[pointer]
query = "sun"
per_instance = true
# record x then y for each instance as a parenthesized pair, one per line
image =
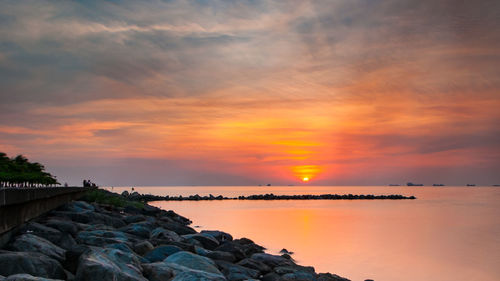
(305, 179)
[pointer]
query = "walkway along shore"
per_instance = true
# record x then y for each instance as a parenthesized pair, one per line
(135, 196)
(108, 237)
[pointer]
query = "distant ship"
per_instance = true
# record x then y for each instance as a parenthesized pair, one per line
(438, 184)
(414, 184)
(496, 185)
(471, 184)
(394, 184)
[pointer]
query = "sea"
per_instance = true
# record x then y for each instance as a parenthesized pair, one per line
(448, 233)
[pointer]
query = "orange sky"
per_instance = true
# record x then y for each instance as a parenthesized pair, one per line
(218, 93)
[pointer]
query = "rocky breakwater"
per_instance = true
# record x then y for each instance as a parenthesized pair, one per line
(137, 242)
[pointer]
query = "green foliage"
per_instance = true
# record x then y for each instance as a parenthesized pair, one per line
(19, 171)
(105, 197)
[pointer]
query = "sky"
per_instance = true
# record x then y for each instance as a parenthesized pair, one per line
(358, 92)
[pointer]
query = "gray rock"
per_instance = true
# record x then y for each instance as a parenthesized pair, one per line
(143, 247)
(33, 243)
(233, 248)
(134, 219)
(67, 241)
(161, 252)
(163, 235)
(49, 233)
(73, 256)
(27, 277)
(193, 261)
(330, 277)
(206, 240)
(299, 276)
(219, 235)
(138, 229)
(32, 263)
(101, 237)
(254, 264)
(271, 276)
(63, 225)
(77, 207)
(220, 255)
(234, 272)
(178, 228)
(108, 264)
(157, 271)
(271, 260)
(183, 273)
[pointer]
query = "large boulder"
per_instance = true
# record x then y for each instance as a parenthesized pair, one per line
(206, 240)
(160, 235)
(181, 273)
(27, 277)
(255, 264)
(143, 247)
(272, 260)
(32, 263)
(219, 235)
(108, 264)
(161, 252)
(178, 228)
(101, 237)
(134, 219)
(142, 230)
(49, 233)
(299, 276)
(157, 271)
(330, 277)
(193, 261)
(64, 226)
(234, 272)
(33, 243)
(77, 207)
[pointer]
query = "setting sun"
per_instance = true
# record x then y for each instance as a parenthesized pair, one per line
(305, 179)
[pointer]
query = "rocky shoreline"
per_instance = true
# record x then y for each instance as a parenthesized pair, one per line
(135, 196)
(124, 240)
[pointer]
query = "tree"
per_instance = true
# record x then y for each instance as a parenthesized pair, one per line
(18, 171)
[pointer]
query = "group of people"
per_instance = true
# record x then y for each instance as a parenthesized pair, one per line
(88, 183)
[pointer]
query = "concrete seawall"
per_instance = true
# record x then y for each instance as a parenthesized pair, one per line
(18, 205)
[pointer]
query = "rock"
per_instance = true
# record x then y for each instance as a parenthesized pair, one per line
(32, 263)
(126, 249)
(73, 256)
(220, 255)
(157, 271)
(90, 217)
(108, 264)
(271, 276)
(299, 276)
(271, 260)
(138, 229)
(206, 240)
(33, 243)
(143, 247)
(178, 228)
(234, 248)
(134, 219)
(219, 235)
(162, 252)
(63, 226)
(193, 261)
(285, 251)
(48, 233)
(183, 273)
(282, 270)
(234, 272)
(77, 207)
(27, 277)
(161, 235)
(255, 264)
(330, 277)
(101, 237)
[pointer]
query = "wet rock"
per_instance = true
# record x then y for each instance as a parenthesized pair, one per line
(219, 235)
(77, 207)
(193, 261)
(207, 241)
(285, 251)
(234, 248)
(255, 264)
(178, 228)
(183, 273)
(271, 260)
(234, 272)
(108, 264)
(330, 277)
(134, 219)
(32, 263)
(271, 277)
(143, 247)
(73, 256)
(67, 241)
(220, 255)
(281, 270)
(27, 277)
(162, 252)
(33, 243)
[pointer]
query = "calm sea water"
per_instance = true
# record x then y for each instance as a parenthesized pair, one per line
(448, 233)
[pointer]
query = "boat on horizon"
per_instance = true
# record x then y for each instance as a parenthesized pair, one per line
(414, 184)
(471, 184)
(437, 184)
(394, 184)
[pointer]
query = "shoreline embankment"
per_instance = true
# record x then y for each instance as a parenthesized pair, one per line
(106, 236)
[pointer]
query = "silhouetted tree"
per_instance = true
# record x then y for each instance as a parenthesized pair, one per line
(18, 171)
